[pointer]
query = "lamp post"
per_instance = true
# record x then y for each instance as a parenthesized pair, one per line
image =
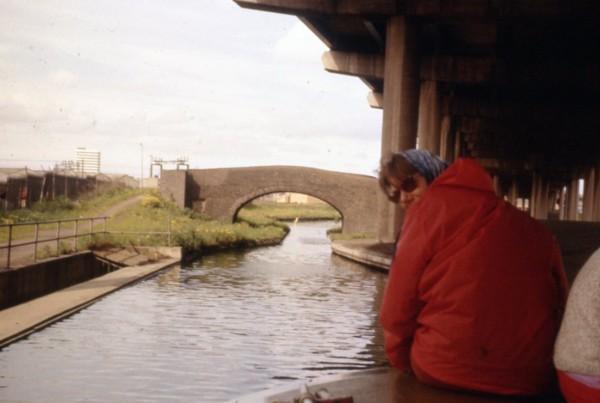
(142, 165)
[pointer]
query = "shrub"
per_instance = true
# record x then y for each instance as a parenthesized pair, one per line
(51, 206)
(151, 201)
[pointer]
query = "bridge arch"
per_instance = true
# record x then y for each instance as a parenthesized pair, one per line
(239, 204)
(220, 193)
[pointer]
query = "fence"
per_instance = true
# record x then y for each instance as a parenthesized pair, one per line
(58, 236)
(74, 233)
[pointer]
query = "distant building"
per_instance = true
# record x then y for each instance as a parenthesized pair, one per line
(87, 161)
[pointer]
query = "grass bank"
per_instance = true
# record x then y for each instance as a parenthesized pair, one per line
(147, 222)
(189, 229)
(61, 209)
(288, 212)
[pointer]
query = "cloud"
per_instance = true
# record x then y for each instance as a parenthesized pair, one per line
(300, 44)
(220, 84)
(63, 77)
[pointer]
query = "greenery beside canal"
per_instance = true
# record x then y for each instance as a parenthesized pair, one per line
(62, 209)
(149, 221)
(189, 229)
(335, 234)
(258, 212)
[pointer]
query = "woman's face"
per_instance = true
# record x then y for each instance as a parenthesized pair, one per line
(410, 189)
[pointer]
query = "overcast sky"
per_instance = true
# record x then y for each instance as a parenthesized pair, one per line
(207, 80)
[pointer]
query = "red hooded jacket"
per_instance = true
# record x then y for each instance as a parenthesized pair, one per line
(476, 290)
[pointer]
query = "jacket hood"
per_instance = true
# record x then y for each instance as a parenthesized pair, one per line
(466, 173)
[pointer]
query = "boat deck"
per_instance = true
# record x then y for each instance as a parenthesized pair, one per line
(385, 386)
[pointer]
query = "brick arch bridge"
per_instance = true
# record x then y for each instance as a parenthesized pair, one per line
(220, 193)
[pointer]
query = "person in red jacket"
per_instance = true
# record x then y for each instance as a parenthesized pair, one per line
(476, 289)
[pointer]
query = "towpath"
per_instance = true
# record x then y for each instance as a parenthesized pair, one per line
(25, 254)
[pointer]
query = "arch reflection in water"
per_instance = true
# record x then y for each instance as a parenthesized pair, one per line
(228, 324)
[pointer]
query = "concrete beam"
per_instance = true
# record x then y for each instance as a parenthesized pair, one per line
(455, 69)
(467, 70)
(426, 8)
(446, 69)
(355, 64)
(317, 32)
(375, 100)
(496, 9)
(375, 34)
(330, 7)
(290, 6)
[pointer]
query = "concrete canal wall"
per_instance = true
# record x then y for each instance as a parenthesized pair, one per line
(81, 280)
(25, 283)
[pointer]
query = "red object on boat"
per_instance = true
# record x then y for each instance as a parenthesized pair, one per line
(347, 399)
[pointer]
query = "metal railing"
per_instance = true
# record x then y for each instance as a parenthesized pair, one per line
(75, 234)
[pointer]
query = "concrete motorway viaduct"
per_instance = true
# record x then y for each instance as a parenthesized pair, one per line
(220, 193)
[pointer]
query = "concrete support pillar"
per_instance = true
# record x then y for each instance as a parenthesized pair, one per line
(446, 139)
(457, 152)
(596, 208)
(497, 187)
(573, 198)
(540, 197)
(534, 195)
(513, 192)
(400, 109)
(553, 197)
(564, 203)
(428, 131)
(588, 194)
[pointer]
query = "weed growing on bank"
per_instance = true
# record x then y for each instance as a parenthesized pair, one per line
(288, 212)
(149, 222)
(62, 208)
(189, 229)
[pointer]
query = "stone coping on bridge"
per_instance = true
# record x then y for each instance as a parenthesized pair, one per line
(367, 251)
(21, 320)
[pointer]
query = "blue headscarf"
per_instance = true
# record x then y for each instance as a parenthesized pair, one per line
(427, 164)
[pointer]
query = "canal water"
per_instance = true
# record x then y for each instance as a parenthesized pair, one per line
(226, 325)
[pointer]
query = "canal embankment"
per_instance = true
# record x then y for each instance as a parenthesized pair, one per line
(20, 320)
(22, 284)
(35, 295)
(366, 251)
